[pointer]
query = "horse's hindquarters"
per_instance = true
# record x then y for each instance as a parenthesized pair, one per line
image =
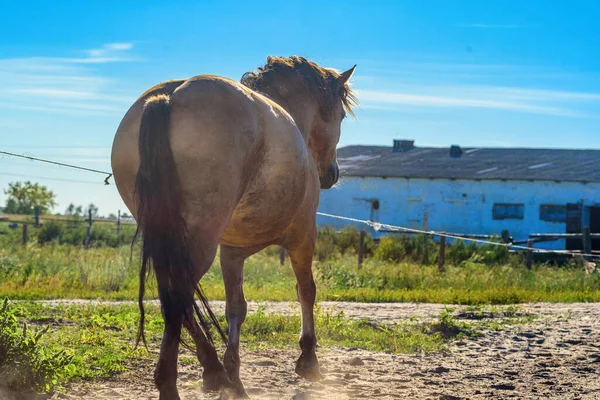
(243, 167)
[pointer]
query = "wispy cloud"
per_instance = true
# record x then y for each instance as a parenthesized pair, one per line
(490, 26)
(448, 73)
(514, 99)
(65, 85)
(423, 86)
(119, 46)
(110, 52)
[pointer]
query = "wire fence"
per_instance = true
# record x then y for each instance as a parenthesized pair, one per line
(587, 256)
(377, 226)
(72, 229)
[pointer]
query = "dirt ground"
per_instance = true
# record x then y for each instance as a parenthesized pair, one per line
(557, 356)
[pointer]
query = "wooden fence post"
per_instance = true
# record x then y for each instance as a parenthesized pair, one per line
(24, 238)
(425, 238)
(361, 248)
(281, 256)
(505, 236)
(529, 257)
(587, 240)
(119, 223)
(88, 230)
(36, 213)
(442, 254)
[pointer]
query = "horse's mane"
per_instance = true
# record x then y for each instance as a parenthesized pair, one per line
(321, 82)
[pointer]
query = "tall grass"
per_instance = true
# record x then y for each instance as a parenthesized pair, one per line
(53, 265)
(472, 276)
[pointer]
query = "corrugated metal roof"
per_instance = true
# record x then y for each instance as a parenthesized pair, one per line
(473, 163)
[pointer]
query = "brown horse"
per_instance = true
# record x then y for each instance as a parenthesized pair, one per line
(208, 162)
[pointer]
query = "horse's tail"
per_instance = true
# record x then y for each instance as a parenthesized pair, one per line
(165, 240)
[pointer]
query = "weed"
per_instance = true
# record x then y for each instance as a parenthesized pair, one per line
(450, 327)
(25, 364)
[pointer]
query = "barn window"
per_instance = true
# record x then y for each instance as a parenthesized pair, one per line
(508, 211)
(553, 212)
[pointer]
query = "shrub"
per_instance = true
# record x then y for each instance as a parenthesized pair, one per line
(50, 231)
(332, 244)
(460, 251)
(404, 248)
(24, 363)
(325, 248)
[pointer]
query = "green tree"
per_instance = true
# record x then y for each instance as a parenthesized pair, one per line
(24, 197)
(70, 210)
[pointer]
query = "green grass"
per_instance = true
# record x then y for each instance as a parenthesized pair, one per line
(96, 341)
(65, 271)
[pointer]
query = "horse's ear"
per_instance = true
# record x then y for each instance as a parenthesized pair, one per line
(345, 76)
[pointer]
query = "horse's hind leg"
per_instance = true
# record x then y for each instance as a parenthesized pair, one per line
(232, 265)
(165, 372)
(214, 376)
(301, 257)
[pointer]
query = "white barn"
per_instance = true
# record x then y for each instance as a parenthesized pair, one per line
(469, 190)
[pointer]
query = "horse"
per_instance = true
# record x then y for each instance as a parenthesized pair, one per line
(209, 162)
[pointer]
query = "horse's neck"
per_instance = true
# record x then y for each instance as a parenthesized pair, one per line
(302, 118)
(300, 113)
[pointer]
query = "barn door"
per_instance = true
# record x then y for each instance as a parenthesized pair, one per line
(574, 225)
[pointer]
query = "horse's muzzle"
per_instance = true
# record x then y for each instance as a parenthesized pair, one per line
(331, 177)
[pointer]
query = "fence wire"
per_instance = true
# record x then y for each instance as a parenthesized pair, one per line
(395, 228)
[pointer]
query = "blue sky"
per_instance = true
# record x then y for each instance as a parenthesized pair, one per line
(474, 73)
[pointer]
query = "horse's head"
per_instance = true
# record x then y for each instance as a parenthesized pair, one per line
(318, 100)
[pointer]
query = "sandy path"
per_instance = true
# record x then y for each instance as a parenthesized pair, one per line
(555, 357)
(388, 312)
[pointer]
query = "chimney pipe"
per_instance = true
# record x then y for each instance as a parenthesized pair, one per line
(401, 146)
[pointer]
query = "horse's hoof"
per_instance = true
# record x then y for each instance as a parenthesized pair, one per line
(233, 394)
(168, 394)
(236, 390)
(215, 381)
(308, 367)
(240, 392)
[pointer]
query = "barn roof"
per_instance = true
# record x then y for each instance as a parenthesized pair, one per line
(404, 160)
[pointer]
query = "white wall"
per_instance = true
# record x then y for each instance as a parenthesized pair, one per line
(457, 206)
